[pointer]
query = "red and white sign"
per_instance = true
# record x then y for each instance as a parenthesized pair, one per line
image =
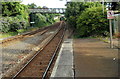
(110, 14)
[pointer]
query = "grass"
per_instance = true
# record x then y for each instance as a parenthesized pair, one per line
(20, 31)
(5, 35)
(105, 39)
(75, 36)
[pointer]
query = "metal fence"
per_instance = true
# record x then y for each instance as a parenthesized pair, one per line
(116, 23)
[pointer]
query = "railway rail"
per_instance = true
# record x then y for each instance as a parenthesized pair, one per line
(39, 65)
(21, 36)
(18, 37)
(26, 47)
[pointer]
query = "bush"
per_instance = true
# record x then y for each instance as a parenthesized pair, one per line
(92, 22)
(12, 24)
(14, 16)
(72, 21)
(5, 27)
(23, 21)
(40, 20)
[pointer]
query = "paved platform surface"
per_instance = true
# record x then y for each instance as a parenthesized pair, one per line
(64, 64)
(116, 42)
(94, 58)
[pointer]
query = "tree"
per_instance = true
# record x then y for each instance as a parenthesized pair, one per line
(92, 22)
(86, 18)
(32, 5)
(39, 7)
(14, 16)
(74, 9)
(116, 6)
(12, 8)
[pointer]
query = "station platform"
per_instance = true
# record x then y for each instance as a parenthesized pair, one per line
(94, 59)
(115, 41)
(64, 64)
(86, 59)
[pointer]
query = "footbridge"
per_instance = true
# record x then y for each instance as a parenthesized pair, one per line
(47, 10)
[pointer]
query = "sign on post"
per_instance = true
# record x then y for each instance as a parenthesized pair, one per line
(110, 14)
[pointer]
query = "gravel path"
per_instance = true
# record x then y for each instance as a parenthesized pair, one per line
(15, 52)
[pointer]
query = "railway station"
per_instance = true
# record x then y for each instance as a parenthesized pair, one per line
(59, 39)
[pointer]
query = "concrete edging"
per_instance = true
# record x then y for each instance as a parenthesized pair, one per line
(64, 64)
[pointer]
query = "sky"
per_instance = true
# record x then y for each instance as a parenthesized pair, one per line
(47, 3)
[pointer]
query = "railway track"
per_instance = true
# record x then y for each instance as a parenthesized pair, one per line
(39, 65)
(19, 37)
(16, 52)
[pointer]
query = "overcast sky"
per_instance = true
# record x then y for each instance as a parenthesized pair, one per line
(47, 3)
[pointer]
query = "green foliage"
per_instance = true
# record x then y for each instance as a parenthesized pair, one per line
(42, 19)
(4, 35)
(20, 30)
(87, 18)
(12, 24)
(72, 21)
(62, 18)
(32, 5)
(74, 9)
(23, 20)
(118, 6)
(12, 8)
(39, 20)
(15, 16)
(50, 18)
(115, 6)
(7, 24)
(92, 22)
(5, 27)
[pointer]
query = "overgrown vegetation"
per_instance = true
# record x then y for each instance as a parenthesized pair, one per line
(16, 18)
(42, 19)
(87, 18)
(92, 22)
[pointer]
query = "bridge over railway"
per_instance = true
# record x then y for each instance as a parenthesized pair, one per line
(47, 10)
